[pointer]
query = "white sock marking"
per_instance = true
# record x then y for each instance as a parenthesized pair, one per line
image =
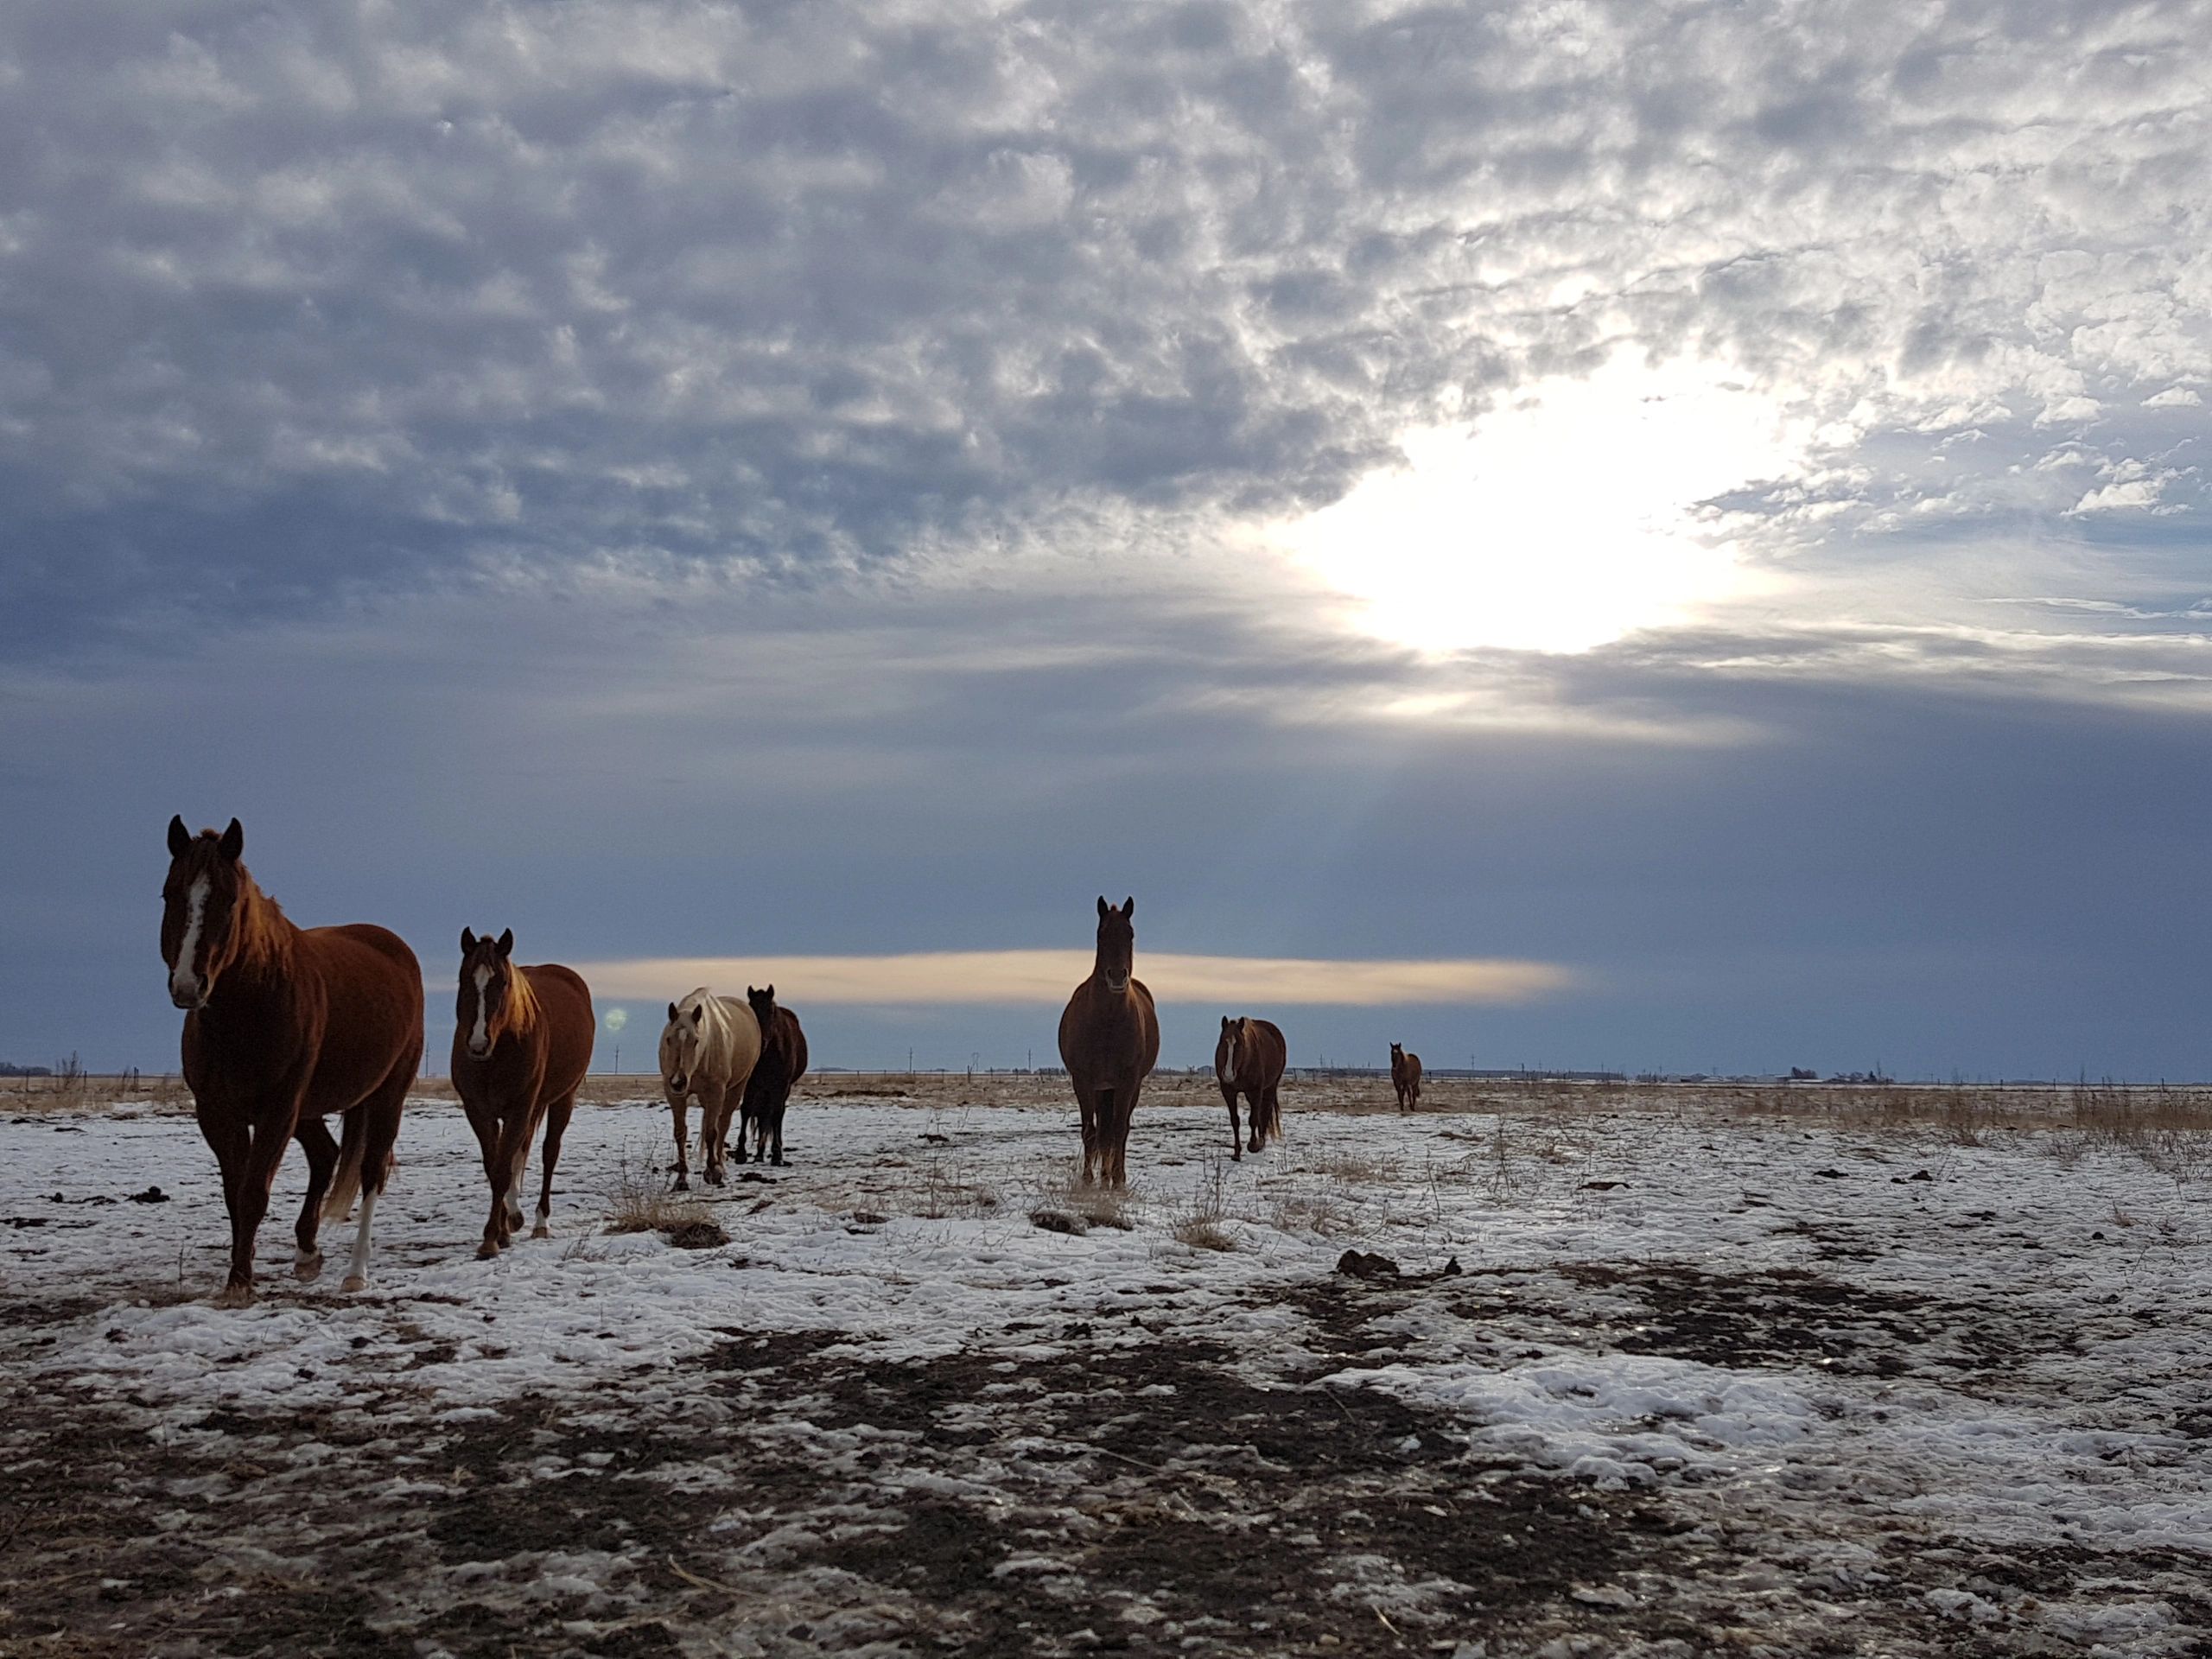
(357, 1273)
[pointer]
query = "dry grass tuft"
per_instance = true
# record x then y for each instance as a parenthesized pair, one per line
(638, 1202)
(1200, 1225)
(1356, 1168)
(1093, 1204)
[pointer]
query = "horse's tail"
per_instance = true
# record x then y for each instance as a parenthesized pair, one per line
(346, 1181)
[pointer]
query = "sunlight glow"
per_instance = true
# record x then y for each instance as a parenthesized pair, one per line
(1560, 520)
(1047, 976)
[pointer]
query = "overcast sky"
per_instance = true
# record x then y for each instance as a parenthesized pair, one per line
(1687, 523)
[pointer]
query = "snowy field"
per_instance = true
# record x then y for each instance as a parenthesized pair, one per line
(1655, 1375)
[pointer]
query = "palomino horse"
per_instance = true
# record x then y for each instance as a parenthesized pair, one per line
(708, 1048)
(521, 1044)
(783, 1063)
(1250, 1060)
(1109, 1037)
(283, 1025)
(1405, 1077)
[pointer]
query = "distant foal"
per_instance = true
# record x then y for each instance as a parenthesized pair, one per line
(783, 1063)
(1405, 1077)
(1250, 1059)
(522, 1043)
(707, 1048)
(1109, 1039)
(282, 1027)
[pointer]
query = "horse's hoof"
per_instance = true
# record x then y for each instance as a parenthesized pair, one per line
(355, 1281)
(540, 1231)
(306, 1268)
(682, 1186)
(484, 1252)
(514, 1221)
(235, 1296)
(778, 1161)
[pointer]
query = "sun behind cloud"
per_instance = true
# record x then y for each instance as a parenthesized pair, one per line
(1561, 520)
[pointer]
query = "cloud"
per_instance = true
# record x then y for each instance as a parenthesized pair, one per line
(392, 298)
(1047, 976)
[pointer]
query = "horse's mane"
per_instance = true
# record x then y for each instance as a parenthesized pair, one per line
(263, 931)
(522, 1002)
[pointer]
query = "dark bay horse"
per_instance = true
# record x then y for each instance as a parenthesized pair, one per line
(783, 1063)
(282, 1027)
(1109, 1037)
(1249, 1060)
(707, 1048)
(1405, 1077)
(522, 1040)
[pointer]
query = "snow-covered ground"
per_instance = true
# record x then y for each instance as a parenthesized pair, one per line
(1701, 1381)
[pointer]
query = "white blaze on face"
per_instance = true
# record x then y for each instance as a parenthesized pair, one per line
(480, 1038)
(184, 976)
(1225, 1056)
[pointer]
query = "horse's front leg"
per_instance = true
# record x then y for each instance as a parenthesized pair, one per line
(713, 1134)
(1235, 1128)
(249, 1148)
(1089, 1131)
(679, 1108)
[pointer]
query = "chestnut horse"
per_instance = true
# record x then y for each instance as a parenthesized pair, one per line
(1250, 1060)
(522, 1042)
(282, 1027)
(1109, 1037)
(1405, 1077)
(708, 1048)
(783, 1063)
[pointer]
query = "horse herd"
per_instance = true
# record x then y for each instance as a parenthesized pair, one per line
(285, 1025)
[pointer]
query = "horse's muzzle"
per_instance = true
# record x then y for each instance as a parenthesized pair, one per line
(676, 1084)
(190, 1000)
(476, 1053)
(1117, 986)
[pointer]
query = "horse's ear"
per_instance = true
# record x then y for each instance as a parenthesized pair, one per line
(671, 1013)
(1130, 906)
(179, 837)
(1224, 1022)
(770, 993)
(232, 843)
(507, 943)
(467, 941)
(698, 1013)
(1102, 906)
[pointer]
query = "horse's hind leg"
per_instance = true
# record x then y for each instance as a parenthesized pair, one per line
(381, 1134)
(776, 1124)
(557, 1125)
(314, 1136)
(1267, 1121)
